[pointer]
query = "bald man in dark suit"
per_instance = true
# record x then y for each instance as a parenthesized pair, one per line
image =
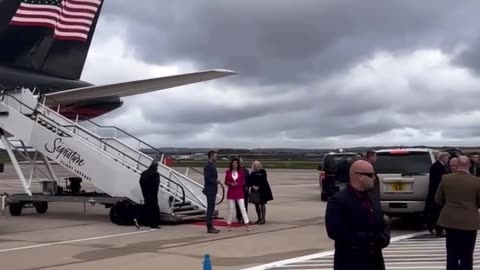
(355, 221)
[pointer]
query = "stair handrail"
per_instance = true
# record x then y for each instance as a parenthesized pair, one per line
(35, 110)
(178, 185)
(93, 135)
(79, 116)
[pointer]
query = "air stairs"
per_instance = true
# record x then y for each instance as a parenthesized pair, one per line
(108, 163)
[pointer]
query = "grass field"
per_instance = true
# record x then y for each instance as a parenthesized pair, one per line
(224, 164)
(266, 164)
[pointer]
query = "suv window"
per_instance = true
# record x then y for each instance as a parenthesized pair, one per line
(331, 162)
(403, 162)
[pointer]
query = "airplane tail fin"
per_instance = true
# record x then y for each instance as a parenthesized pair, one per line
(48, 36)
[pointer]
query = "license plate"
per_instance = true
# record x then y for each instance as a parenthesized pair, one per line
(399, 187)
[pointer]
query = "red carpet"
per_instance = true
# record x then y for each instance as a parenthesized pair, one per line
(219, 223)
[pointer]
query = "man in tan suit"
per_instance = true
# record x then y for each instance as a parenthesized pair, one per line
(459, 194)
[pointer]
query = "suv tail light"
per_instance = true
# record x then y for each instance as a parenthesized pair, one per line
(322, 175)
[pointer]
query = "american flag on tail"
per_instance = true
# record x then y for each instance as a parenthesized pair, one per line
(69, 19)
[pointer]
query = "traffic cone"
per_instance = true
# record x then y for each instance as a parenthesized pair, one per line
(207, 264)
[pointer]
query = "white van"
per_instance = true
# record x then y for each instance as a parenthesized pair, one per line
(403, 179)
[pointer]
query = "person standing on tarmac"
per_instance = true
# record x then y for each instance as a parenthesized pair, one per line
(453, 164)
(261, 192)
(459, 194)
(475, 167)
(246, 193)
(150, 183)
(341, 175)
(354, 220)
(234, 180)
(371, 157)
(211, 188)
(432, 209)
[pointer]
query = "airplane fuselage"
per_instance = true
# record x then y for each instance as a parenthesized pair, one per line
(13, 78)
(10, 78)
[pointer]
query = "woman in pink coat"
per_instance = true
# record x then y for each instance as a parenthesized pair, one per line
(234, 180)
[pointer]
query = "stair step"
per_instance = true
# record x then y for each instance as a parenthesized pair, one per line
(185, 208)
(180, 203)
(182, 219)
(190, 212)
(194, 217)
(50, 127)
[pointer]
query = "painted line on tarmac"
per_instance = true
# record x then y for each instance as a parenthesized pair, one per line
(74, 241)
(320, 255)
(294, 196)
(48, 228)
(294, 185)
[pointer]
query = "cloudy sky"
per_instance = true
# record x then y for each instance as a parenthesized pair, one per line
(311, 74)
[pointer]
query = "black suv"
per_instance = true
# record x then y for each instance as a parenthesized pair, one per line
(454, 152)
(334, 172)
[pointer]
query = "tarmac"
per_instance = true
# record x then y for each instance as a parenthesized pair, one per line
(77, 236)
(413, 251)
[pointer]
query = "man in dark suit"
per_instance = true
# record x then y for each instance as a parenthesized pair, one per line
(474, 167)
(432, 210)
(211, 188)
(459, 194)
(150, 184)
(371, 157)
(343, 169)
(354, 220)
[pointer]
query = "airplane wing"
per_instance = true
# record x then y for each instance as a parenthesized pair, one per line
(134, 87)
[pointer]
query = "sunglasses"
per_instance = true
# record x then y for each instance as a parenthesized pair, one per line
(371, 175)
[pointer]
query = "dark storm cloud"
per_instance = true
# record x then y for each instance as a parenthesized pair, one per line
(299, 116)
(470, 56)
(355, 103)
(275, 42)
(201, 113)
(460, 133)
(308, 70)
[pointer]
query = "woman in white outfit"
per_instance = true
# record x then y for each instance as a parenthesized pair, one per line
(234, 180)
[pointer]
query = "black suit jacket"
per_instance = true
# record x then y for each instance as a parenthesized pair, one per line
(359, 240)
(475, 169)
(437, 170)
(150, 184)
(210, 176)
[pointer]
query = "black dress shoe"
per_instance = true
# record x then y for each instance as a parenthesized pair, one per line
(213, 230)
